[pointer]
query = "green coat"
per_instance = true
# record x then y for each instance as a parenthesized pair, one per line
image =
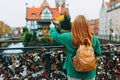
(65, 39)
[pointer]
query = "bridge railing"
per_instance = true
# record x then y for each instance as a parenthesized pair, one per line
(116, 38)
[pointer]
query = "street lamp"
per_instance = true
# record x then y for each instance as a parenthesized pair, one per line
(111, 30)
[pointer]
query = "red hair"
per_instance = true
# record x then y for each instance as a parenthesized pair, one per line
(81, 31)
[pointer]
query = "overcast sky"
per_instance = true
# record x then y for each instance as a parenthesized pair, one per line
(13, 12)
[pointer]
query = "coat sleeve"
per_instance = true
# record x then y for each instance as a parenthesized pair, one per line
(97, 46)
(59, 38)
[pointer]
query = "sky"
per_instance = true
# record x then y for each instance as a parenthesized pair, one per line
(13, 12)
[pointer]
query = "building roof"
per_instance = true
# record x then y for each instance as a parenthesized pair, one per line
(112, 2)
(45, 3)
(37, 11)
(107, 4)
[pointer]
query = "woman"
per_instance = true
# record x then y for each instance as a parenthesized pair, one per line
(80, 30)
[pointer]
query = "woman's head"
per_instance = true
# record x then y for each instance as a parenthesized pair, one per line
(81, 30)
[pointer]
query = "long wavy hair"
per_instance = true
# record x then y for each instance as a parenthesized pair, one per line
(81, 31)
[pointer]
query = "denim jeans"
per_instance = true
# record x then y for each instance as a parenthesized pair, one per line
(70, 78)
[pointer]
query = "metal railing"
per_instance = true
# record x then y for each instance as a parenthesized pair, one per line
(10, 41)
(37, 48)
(32, 47)
(116, 38)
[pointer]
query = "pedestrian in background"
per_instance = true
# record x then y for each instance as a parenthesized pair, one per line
(71, 40)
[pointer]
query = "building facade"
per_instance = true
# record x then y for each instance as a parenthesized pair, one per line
(95, 25)
(113, 17)
(103, 28)
(37, 18)
(109, 18)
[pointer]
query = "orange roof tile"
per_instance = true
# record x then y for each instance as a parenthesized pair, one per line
(107, 4)
(55, 13)
(36, 11)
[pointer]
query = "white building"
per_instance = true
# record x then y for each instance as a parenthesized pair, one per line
(103, 28)
(113, 17)
(39, 17)
(109, 17)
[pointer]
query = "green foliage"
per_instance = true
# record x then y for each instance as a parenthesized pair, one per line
(25, 29)
(66, 24)
(26, 36)
(34, 35)
(34, 40)
(30, 39)
(44, 41)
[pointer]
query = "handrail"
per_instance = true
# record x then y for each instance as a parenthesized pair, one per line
(10, 41)
(33, 47)
(38, 48)
(116, 38)
(109, 44)
(46, 47)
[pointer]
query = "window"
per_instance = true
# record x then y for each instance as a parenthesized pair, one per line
(33, 14)
(32, 23)
(113, 6)
(46, 14)
(117, 5)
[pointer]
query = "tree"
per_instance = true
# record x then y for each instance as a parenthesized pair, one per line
(26, 37)
(4, 29)
(66, 24)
